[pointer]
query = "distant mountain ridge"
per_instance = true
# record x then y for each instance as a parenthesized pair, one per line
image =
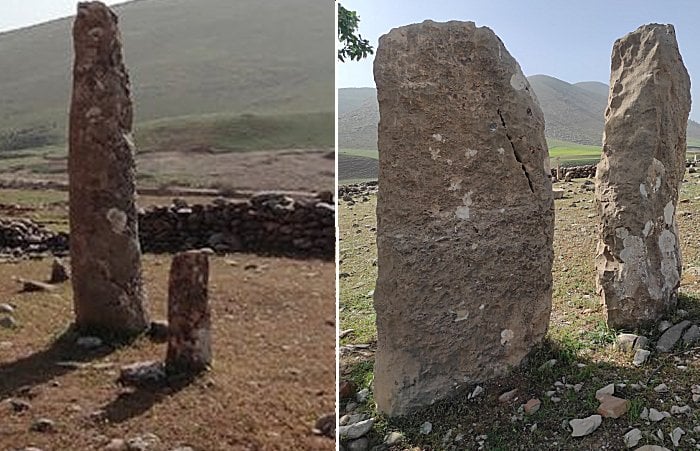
(573, 113)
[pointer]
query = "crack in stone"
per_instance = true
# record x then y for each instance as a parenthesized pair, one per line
(515, 153)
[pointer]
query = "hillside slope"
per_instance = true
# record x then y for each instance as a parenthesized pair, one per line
(573, 113)
(185, 57)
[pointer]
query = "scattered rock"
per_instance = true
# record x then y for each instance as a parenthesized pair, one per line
(159, 331)
(362, 395)
(652, 448)
(691, 335)
(548, 364)
(671, 336)
(116, 444)
(426, 428)
(508, 396)
(393, 438)
(43, 425)
(625, 342)
(356, 430)
(89, 342)
(6, 308)
(29, 286)
(676, 435)
(142, 374)
(347, 389)
(585, 426)
(532, 406)
(8, 322)
(656, 416)
(360, 444)
(608, 390)
(663, 325)
(613, 407)
(640, 357)
(325, 425)
(661, 388)
(59, 271)
(640, 343)
(19, 405)
(676, 410)
(632, 438)
(476, 392)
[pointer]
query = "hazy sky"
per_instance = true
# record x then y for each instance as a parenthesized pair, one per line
(22, 13)
(568, 40)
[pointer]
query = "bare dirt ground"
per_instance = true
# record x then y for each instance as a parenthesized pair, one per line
(273, 344)
(273, 373)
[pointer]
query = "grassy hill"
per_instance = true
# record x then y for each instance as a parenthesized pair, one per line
(194, 64)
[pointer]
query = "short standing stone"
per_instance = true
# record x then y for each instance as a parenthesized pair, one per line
(59, 271)
(189, 339)
(638, 262)
(464, 281)
(104, 242)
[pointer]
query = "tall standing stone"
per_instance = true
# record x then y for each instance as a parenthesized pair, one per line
(465, 213)
(638, 261)
(104, 244)
(189, 339)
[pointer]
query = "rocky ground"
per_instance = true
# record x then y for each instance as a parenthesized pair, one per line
(272, 378)
(587, 387)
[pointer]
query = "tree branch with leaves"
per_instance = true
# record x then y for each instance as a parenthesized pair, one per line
(354, 46)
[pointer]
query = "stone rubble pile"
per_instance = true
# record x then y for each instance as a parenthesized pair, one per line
(18, 236)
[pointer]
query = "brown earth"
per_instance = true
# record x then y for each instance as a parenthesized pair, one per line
(273, 373)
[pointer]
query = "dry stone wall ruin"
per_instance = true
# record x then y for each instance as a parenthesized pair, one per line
(638, 261)
(464, 284)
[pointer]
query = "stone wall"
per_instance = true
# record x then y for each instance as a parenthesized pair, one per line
(271, 224)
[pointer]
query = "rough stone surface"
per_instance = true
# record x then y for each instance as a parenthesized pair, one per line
(640, 357)
(104, 243)
(189, 339)
(632, 438)
(585, 426)
(59, 271)
(638, 260)
(356, 430)
(464, 264)
(532, 406)
(671, 336)
(691, 335)
(613, 407)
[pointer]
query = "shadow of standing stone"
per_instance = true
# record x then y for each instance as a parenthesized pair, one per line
(189, 339)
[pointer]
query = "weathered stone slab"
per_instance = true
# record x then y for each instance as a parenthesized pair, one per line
(104, 244)
(189, 322)
(464, 284)
(638, 262)
(671, 336)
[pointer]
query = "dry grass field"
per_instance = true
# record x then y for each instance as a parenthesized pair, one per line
(578, 340)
